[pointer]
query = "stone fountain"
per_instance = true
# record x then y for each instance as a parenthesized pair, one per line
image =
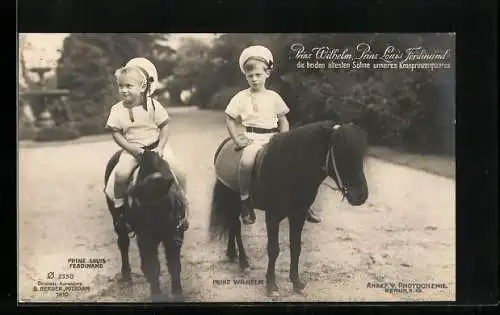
(52, 100)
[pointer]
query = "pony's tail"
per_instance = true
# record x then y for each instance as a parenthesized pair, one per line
(225, 203)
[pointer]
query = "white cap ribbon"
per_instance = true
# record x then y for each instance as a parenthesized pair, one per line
(258, 52)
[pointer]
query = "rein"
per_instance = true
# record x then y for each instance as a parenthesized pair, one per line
(330, 160)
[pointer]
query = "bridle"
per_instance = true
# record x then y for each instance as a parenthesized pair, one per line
(330, 163)
(141, 204)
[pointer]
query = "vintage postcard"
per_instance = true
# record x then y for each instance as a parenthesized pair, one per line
(236, 167)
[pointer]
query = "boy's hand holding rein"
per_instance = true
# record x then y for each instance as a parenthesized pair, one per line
(241, 141)
(137, 152)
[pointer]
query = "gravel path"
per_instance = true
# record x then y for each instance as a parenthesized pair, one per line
(405, 233)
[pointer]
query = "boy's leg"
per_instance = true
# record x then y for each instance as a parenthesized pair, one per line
(123, 170)
(245, 179)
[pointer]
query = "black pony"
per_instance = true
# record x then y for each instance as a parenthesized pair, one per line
(287, 175)
(157, 209)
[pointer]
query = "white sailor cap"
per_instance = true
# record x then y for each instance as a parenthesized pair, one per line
(149, 68)
(257, 52)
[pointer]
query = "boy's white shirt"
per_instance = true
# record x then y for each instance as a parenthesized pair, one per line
(269, 104)
(144, 130)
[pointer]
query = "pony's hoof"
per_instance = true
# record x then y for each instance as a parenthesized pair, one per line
(301, 293)
(273, 291)
(244, 265)
(158, 298)
(125, 279)
(178, 297)
(231, 257)
(274, 294)
(299, 286)
(245, 270)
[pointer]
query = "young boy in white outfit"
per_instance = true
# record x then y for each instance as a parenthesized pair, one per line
(263, 114)
(138, 122)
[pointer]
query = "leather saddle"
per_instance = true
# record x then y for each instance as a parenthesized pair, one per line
(227, 160)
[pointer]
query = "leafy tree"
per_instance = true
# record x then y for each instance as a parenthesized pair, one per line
(411, 109)
(184, 66)
(87, 66)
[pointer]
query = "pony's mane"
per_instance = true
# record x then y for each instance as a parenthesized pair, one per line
(347, 138)
(294, 161)
(297, 140)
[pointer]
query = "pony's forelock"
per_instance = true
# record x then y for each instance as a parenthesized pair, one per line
(349, 143)
(173, 192)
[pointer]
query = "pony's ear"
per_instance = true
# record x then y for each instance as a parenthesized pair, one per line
(153, 159)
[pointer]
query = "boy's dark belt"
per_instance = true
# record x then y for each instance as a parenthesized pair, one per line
(261, 130)
(152, 145)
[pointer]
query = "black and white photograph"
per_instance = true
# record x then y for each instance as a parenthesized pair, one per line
(236, 167)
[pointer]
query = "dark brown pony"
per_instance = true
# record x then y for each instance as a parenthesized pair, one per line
(291, 168)
(158, 207)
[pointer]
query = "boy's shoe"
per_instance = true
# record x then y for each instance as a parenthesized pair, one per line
(183, 225)
(247, 212)
(312, 217)
(122, 219)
